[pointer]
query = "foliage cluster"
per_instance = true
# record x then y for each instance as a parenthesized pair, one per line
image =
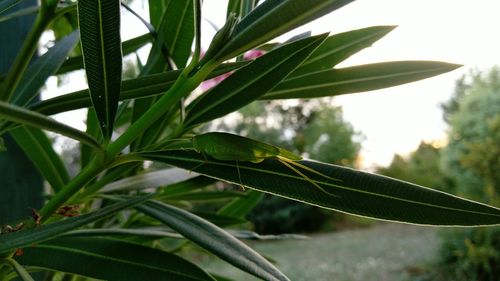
(472, 159)
(115, 215)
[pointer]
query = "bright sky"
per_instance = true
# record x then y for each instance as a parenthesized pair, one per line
(395, 120)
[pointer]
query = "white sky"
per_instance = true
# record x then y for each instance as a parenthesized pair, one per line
(395, 120)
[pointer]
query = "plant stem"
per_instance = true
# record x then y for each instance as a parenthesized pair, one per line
(87, 174)
(182, 87)
(27, 50)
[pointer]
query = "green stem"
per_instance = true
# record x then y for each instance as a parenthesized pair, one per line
(86, 175)
(182, 87)
(26, 53)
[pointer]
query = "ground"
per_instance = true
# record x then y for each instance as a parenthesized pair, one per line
(386, 251)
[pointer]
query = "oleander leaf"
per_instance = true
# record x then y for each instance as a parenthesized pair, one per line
(213, 239)
(110, 259)
(357, 79)
(37, 146)
(99, 22)
(251, 82)
(128, 47)
(23, 116)
(339, 47)
(24, 238)
(134, 88)
(42, 68)
(342, 189)
(273, 18)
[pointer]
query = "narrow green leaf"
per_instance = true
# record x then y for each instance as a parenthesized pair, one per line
(110, 259)
(221, 220)
(350, 191)
(156, 9)
(273, 18)
(165, 232)
(148, 180)
(251, 82)
(240, 7)
(7, 4)
(213, 239)
(129, 46)
(357, 79)
(19, 13)
(39, 149)
(175, 33)
(155, 232)
(93, 129)
(134, 88)
(99, 22)
(203, 196)
(21, 272)
(45, 66)
(23, 238)
(186, 186)
(339, 47)
(27, 117)
(240, 207)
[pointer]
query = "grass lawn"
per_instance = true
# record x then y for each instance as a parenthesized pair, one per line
(385, 252)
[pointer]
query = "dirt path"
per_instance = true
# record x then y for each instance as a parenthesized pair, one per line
(385, 252)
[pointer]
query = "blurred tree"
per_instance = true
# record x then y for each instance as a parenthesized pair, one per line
(421, 167)
(472, 156)
(472, 159)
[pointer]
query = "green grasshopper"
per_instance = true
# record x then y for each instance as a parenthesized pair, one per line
(229, 147)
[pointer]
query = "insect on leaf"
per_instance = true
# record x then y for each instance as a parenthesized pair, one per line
(355, 192)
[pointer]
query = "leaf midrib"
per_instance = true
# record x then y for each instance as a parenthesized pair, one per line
(104, 65)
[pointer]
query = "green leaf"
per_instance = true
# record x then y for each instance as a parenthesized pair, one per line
(19, 13)
(21, 272)
(251, 82)
(220, 220)
(273, 18)
(99, 22)
(134, 88)
(110, 259)
(27, 117)
(7, 4)
(45, 66)
(186, 186)
(203, 196)
(155, 232)
(175, 33)
(39, 149)
(93, 129)
(350, 191)
(339, 47)
(357, 79)
(148, 180)
(129, 46)
(240, 207)
(240, 7)
(24, 238)
(213, 239)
